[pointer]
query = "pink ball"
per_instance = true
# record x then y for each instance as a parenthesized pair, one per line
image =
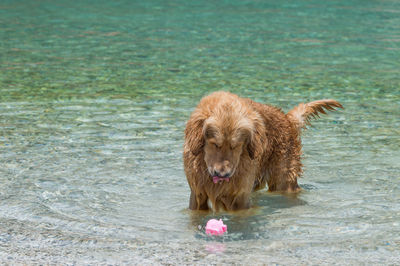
(215, 227)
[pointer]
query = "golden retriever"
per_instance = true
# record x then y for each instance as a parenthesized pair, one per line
(234, 146)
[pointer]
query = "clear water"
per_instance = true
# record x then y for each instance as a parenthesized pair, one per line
(94, 96)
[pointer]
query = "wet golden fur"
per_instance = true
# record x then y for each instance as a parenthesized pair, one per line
(246, 143)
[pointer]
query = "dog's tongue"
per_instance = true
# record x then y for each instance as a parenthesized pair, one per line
(216, 179)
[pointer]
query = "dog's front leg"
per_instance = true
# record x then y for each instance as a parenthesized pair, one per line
(236, 202)
(198, 201)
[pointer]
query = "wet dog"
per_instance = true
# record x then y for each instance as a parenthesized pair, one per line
(234, 146)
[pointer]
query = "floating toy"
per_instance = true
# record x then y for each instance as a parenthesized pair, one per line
(215, 227)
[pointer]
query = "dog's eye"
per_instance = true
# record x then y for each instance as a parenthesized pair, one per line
(215, 145)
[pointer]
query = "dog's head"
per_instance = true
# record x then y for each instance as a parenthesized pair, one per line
(224, 137)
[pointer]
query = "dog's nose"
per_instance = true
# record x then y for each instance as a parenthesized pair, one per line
(219, 174)
(216, 173)
(222, 169)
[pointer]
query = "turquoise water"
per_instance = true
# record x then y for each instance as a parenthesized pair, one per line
(93, 102)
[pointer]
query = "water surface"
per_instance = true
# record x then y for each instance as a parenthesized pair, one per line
(93, 102)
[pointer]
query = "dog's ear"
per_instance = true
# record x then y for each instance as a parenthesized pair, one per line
(194, 138)
(256, 140)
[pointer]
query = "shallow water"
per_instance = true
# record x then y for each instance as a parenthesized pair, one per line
(93, 102)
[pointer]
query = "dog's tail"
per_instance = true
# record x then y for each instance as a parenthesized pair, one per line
(303, 113)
